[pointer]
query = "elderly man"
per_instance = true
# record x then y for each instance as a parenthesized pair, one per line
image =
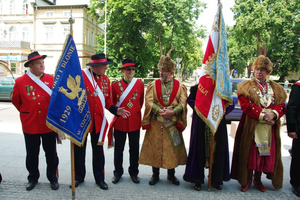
(127, 92)
(99, 97)
(31, 96)
(257, 143)
(165, 120)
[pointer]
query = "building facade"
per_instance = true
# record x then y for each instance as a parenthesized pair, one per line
(40, 25)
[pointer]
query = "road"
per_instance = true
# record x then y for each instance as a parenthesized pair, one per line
(13, 170)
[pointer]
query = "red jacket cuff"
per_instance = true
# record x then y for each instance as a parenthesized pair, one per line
(179, 127)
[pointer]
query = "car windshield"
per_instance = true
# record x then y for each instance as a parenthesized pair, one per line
(6, 80)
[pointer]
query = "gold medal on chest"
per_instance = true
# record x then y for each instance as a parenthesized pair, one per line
(129, 105)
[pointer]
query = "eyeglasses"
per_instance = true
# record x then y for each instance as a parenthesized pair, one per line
(163, 71)
(130, 69)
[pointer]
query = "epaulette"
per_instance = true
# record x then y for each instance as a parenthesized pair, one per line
(118, 80)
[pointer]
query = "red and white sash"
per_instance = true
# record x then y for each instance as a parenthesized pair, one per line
(102, 100)
(39, 82)
(121, 100)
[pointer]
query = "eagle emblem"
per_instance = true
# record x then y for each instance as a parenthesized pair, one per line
(74, 86)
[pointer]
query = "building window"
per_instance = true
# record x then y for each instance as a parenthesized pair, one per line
(87, 17)
(13, 67)
(87, 37)
(66, 31)
(92, 39)
(1, 7)
(92, 21)
(13, 34)
(12, 8)
(49, 33)
(49, 13)
(67, 13)
(25, 7)
(25, 34)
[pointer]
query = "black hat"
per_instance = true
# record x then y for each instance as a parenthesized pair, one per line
(99, 59)
(33, 56)
(127, 62)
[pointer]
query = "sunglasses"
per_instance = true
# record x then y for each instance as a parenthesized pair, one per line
(130, 68)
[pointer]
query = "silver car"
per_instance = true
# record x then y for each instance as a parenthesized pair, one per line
(6, 87)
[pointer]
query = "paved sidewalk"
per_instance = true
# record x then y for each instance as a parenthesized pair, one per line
(14, 173)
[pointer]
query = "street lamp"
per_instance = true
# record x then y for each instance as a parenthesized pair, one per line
(71, 21)
(178, 67)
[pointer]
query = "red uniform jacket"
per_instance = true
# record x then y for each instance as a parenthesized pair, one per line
(94, 102)
(32, 102)
(136, 97)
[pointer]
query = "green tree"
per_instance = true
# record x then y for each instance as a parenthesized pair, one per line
(146, 29)
(274, 23)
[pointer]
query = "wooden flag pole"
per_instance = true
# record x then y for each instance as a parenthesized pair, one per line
(211, 158)
(71, 21)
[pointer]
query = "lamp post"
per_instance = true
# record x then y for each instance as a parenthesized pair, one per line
(178, 67)
(71, 21)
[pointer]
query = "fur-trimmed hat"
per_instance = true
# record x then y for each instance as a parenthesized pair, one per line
(166, 62)
(263, 62)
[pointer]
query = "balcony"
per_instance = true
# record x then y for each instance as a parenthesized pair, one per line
(15, 44)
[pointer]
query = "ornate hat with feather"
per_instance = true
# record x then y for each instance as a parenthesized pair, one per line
(166, 62)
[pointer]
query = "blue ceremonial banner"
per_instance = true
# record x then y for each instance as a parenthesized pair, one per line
(68, 113)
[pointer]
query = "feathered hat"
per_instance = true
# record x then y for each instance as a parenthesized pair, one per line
(166, 62)
(263, 62)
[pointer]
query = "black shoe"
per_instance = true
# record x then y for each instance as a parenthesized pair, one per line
(102, 185)
(115, 179)
(296, 191)
(77, 183)
(31, 185)
(218, 187)
(135, 179)
(54, 185)
(153, 180)
(174, 180)
(197, 186)
(0, 178)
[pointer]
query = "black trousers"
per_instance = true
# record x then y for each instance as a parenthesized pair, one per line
(295, 163)
(134, 145)
(32, 145)
(98, 160)
(171, 172)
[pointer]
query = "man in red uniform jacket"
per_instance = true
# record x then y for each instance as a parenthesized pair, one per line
(31, 96)
(127, 92)
(97, 86)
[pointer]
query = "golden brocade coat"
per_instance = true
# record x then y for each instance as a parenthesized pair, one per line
(157, 150)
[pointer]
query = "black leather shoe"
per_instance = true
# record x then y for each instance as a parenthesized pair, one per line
(115, 179)
(31, 185)
(153, 180)
(174, 180)
(197, 186)
(103, 185)
(0, 178)
(54, 185)
(135, 179)
(218, 187)
(296, 191)
(77, 183)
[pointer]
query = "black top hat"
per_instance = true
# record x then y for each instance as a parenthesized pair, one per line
(99, 59)
(33, 56)
(127, 62)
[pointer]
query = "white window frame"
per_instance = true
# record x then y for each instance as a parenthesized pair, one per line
(67, 13)
(13, 34)
(25, 7)
(25, 33)
(12, 7)
(49, 33)
(49, 13)
(66, 31)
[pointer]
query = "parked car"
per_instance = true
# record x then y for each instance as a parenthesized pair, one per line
(236, 113)
(6, 87)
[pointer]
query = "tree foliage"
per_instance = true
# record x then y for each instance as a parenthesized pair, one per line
(274, 23)
(146, 29)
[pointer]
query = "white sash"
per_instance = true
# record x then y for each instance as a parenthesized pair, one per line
(102, 100)
(39, 82)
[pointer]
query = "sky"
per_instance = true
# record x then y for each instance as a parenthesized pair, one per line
(207, 16)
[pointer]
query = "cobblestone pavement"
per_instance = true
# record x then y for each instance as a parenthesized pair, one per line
(14, 173)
